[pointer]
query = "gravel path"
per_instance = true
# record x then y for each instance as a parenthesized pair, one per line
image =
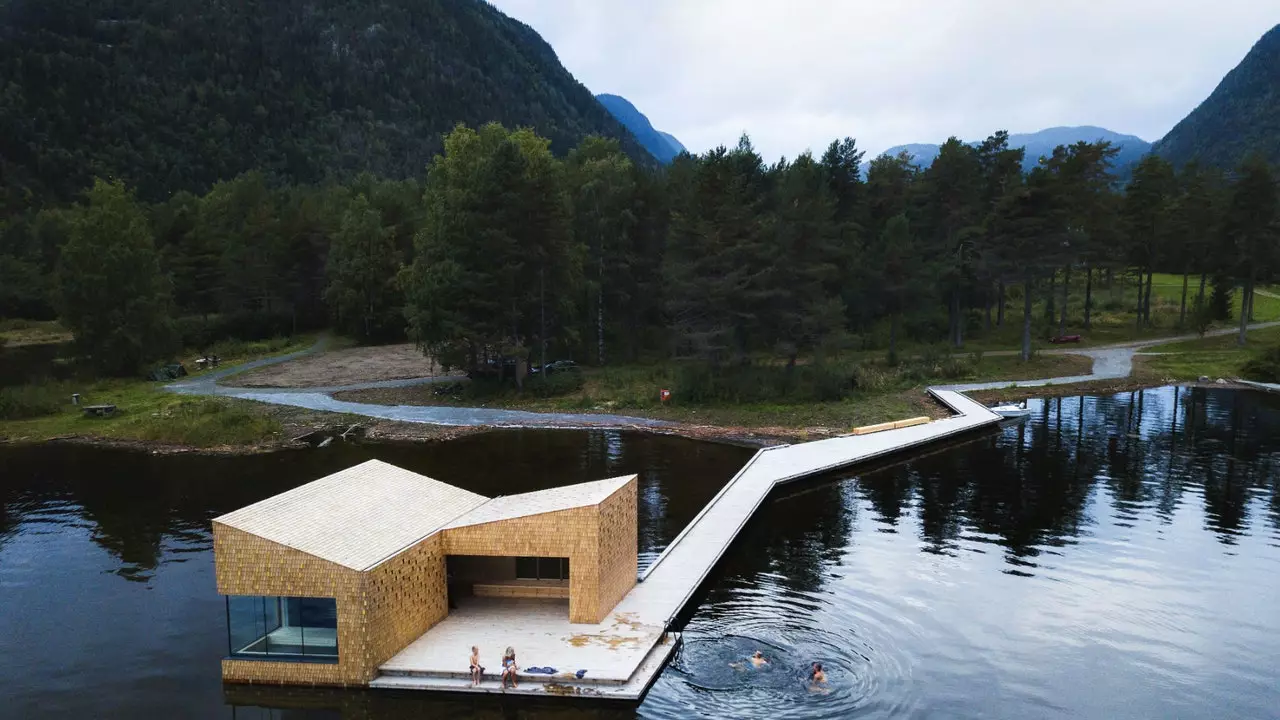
(318, 398)
(1109, 363)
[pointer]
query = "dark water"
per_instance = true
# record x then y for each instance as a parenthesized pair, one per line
(1112, 557)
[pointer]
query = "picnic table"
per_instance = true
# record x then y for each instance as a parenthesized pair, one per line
(99, 410)
(1064, 339)
(208, 362)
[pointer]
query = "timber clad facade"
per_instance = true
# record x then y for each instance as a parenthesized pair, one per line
(328, 581)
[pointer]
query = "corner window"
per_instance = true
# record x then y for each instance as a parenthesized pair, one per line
(282, 628)
(534, 568)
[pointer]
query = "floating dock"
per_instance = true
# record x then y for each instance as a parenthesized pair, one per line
(622, 656)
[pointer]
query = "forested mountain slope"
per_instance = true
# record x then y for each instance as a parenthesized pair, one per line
(173, 95)
(1241, 116)
(661, 145)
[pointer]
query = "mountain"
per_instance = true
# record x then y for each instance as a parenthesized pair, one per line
(1240, 116)
(676, 144)
(172, 95)
(1132, 148)
(662, 146)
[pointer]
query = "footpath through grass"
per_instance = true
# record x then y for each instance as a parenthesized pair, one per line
(1215, 357)
(145, 411)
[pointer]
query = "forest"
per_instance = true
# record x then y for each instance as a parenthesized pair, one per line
(505, 251)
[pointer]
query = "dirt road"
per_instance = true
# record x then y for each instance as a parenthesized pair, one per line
(342, 367)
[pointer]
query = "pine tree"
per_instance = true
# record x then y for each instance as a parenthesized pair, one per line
(807, 258)
(1250, 230)
(604, 222)
(1147, 203)
(1194, 221)
(953, 188)
(901, 261)
(716, 262)
(362, 265)
(1027, 218)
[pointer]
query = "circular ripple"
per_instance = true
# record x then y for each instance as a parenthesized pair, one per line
(859, 644)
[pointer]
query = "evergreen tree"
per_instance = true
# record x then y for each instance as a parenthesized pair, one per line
(362, 265)
(1024, 219)
(899, 258)
(604, 222)
(1147, 203)
(953, 189)
(1194, 220)
(1251, 231)
(496, 249)
(890, 183)
(111, 293)
(1081, 181)
(803, 308)
(715, 261)
(1001, 168)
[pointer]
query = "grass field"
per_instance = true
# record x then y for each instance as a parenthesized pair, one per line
(144, 410)
(1214, 357)
(17, 332)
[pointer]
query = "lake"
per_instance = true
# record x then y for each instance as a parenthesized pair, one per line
(1109, 557)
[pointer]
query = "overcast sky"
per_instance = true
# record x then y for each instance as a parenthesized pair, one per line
(795, 74)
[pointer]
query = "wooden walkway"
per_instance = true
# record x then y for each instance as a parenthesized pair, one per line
(669, 582)
(621, 656)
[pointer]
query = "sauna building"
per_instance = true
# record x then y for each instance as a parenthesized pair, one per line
(326, 582)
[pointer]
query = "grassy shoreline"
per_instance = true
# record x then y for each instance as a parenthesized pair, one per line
(634, 391)
(147, 414)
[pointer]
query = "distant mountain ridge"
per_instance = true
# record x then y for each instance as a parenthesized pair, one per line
(1241, 116)
(1042, 143)
(662, 146)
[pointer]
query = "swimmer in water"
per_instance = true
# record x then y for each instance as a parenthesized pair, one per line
(818, 679)
(757, 660)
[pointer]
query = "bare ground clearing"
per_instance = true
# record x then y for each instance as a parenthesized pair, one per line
(342, 367)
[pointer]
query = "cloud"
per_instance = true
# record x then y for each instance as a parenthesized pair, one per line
(796, 74)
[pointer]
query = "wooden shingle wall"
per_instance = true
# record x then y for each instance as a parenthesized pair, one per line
(618, 547)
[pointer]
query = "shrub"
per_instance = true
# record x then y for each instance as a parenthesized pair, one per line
(21, 402)
(1265, 366)
(553, 384)
(702, 383)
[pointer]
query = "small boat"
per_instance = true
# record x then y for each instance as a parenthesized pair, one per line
(1011, 410)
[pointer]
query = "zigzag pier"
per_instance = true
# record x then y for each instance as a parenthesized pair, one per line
(620, 657)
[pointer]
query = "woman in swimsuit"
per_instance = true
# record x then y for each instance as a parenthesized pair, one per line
(509, 668)
(476, 670)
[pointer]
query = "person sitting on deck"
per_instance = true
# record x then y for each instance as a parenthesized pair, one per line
(476, 670)
(756, 660)
(509, 668)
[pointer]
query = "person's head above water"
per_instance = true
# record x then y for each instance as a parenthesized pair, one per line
(758, 654)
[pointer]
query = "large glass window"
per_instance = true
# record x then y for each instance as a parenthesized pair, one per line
(535, 568)
(286, 628)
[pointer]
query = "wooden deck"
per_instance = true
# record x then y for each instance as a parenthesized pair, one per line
(622, 655)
